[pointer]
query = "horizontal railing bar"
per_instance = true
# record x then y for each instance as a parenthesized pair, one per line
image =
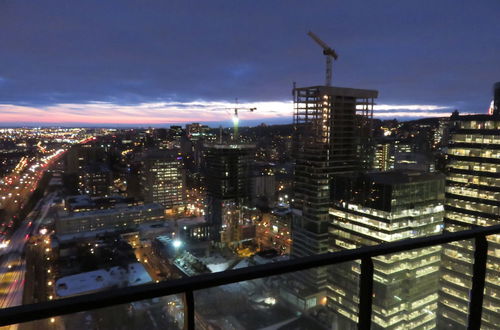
(25, 313)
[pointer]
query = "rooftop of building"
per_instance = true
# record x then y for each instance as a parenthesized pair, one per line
(102, 279)
(165, 154)
(67, 215)
(165, 240)
(216, 262)
(83, 236)
(404, 176)
(456, 116)
(76, 202)
(190, 265)
(92, 253)
(343, 91)
(281, 209)
(231, 146)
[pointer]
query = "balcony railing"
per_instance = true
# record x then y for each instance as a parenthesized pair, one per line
(187, 286)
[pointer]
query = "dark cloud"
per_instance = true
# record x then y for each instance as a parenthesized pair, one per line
(128, 52)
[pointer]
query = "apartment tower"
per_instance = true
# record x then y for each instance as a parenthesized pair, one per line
(472, 199)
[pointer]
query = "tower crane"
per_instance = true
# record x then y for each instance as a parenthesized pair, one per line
(236, 119)
(330, 55)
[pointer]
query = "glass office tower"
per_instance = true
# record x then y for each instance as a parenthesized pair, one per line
(384, 207)
(472, 199)
(163, 179)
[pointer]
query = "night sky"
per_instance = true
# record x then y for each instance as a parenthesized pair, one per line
(146, 62)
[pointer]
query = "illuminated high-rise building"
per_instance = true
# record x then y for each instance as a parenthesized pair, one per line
(384, 156)
(385, 207)
(472, 199)
(163, 180)
(95, 180)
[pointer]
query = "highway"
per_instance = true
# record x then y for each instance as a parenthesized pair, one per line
(14, 193)
(17, 188)
(12, 264)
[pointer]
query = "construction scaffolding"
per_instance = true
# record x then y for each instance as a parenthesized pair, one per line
(339, 119)
(332, 136)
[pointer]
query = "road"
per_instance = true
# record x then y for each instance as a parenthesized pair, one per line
(13, 264)
(17, 188)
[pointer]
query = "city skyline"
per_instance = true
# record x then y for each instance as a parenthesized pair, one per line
(196, 165)
(128, 65)
(84, 210)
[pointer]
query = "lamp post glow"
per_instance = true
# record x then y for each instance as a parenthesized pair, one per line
(177, 244)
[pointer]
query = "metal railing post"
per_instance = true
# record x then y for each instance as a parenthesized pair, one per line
(365, 294)
(478, 277)
(189, 310)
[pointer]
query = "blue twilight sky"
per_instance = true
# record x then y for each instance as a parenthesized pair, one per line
(158, 62)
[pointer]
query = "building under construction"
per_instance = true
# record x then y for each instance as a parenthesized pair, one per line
(332, 128)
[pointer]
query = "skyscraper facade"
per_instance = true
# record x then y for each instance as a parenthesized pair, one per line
(162, 179)
(384, 156)
(472, 199)
(384, 207)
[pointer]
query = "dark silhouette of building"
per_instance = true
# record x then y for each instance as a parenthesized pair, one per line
(96, 179)
(496, 99)
(228, 179)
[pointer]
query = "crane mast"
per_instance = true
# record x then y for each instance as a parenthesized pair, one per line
(236, 119)
(330, 55)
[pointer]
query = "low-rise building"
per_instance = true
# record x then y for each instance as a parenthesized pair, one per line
(101, 279)
(273, 231)
(118, 218)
